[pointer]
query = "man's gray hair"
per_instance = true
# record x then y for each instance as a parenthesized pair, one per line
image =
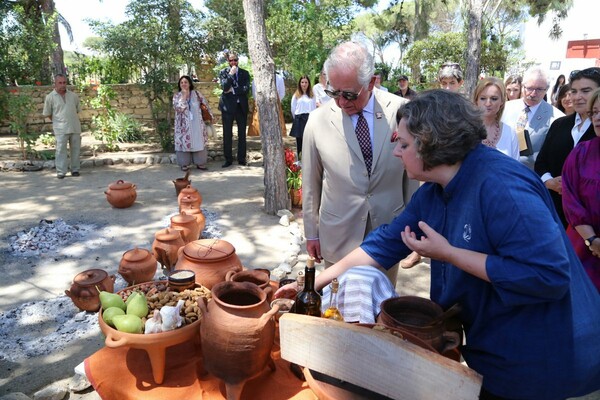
(352, 56)
(535, 73)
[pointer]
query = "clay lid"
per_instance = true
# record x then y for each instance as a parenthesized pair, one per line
(183, 217)
(167, 234)
(136, 255)
(189, 190)
(209, 249)
(91, 277)
(120, 184)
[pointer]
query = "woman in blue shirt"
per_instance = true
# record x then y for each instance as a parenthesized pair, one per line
(530, 314)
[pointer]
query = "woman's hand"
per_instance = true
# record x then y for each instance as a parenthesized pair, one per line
(288, 291)
(432, 245)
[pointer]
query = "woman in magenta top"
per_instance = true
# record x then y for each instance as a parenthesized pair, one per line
(581, 196)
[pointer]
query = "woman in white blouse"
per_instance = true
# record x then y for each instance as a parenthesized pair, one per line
(303, 102)
(489, 97)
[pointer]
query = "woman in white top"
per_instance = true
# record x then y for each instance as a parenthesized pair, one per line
(303, 102)
(489, 98)
(319, 90)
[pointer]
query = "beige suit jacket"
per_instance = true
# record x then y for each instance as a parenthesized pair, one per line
(338, 197)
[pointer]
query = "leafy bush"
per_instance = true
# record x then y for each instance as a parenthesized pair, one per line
(47, 139)
(127, 128)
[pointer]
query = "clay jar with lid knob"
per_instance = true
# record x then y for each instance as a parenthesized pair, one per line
(137, 266)
(121, 194)
(189, 196)
(190, 230)
(86, 288)
(210, 259)
(237, 334)
(167, 243)
(198, 214)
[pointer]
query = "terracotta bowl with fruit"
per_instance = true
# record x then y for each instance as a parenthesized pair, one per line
(155, 344)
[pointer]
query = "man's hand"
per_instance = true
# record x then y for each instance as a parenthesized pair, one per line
(554, 184)
(313, 248)
(233, 70)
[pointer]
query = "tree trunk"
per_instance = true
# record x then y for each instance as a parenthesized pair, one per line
(276, 192)
(58, 63)
(475, 14)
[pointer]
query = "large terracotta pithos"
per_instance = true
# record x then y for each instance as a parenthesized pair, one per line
(189, 196)
(415, 314)
(86, 288)
(198, 214)
(121, 194)
(237, 334)
(189, 226)
(137, 266)
(210, 259)
(166, 245)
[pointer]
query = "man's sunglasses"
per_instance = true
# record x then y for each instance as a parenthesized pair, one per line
(233, 59)
(334, 94)
(593, 72)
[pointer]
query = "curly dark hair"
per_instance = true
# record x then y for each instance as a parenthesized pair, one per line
(446, 126)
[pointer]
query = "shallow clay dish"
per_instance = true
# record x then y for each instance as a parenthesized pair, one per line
(154, 344)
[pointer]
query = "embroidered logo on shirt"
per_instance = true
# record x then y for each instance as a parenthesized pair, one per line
(467, 232)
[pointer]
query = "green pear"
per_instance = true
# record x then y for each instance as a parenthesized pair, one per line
(131, 296)
(138, 306)
(108, 299)
(110, 312)
(128, 323)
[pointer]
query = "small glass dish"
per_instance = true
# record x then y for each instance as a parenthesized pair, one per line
(285, 305)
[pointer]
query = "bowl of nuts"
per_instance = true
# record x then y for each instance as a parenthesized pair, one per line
(157, 296)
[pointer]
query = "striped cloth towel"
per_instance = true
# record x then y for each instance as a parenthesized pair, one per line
(362, 289)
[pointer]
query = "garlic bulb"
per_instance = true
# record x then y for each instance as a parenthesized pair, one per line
(171, 317)
(154, 324)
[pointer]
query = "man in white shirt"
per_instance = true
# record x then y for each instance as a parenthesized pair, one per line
(378, 82)
(565, 133)
(540, 114)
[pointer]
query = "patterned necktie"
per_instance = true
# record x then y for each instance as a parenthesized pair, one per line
(364, 140)
(521, 124)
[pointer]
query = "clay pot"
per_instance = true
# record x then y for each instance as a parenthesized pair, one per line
(258, 277)
(296, 197)
(188, 224)
(237, 334)
(210, 259)
(182, 280)
(198, 214)
(166, 244)
(189, 196)
(154, 344)
(181, 183)
(86, 287)
(415, 314)
(137, 266)
(121, 194)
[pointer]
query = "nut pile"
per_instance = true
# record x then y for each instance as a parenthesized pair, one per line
(158, 296)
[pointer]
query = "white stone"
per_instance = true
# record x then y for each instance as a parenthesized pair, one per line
(285, 267)
(295, 248)
(55, 391)
(284, 220)
(289, 214)
(79, 383)
(15, 396)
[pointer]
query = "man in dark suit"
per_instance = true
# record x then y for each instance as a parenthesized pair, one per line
(233, 104)
(565, 133)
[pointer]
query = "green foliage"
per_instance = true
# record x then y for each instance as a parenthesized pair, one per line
(47, 139)
(128, 129)
(19, 109)
(98, 69)
(101, 123)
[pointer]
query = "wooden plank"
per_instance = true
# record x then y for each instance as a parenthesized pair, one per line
(374, 360)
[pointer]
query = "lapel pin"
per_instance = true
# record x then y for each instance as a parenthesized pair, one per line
(378, 115)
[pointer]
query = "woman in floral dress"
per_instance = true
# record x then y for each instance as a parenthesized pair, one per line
(191, 136)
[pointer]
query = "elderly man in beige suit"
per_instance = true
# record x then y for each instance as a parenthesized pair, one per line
(351, 181)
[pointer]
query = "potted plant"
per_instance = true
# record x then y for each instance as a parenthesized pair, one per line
(293, 177)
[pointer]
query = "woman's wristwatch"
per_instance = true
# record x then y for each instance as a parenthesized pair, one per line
(590, 240)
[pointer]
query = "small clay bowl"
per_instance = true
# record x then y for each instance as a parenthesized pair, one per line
(181, 280)
(285, 305)
(286, 281)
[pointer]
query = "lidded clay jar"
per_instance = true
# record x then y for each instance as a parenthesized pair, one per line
(182, 280)
(121, 194)
(189, 196)
(137, 266)
(188, 224)
(86, 288)
(198, 214)
(166, 245)
(210, 259)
